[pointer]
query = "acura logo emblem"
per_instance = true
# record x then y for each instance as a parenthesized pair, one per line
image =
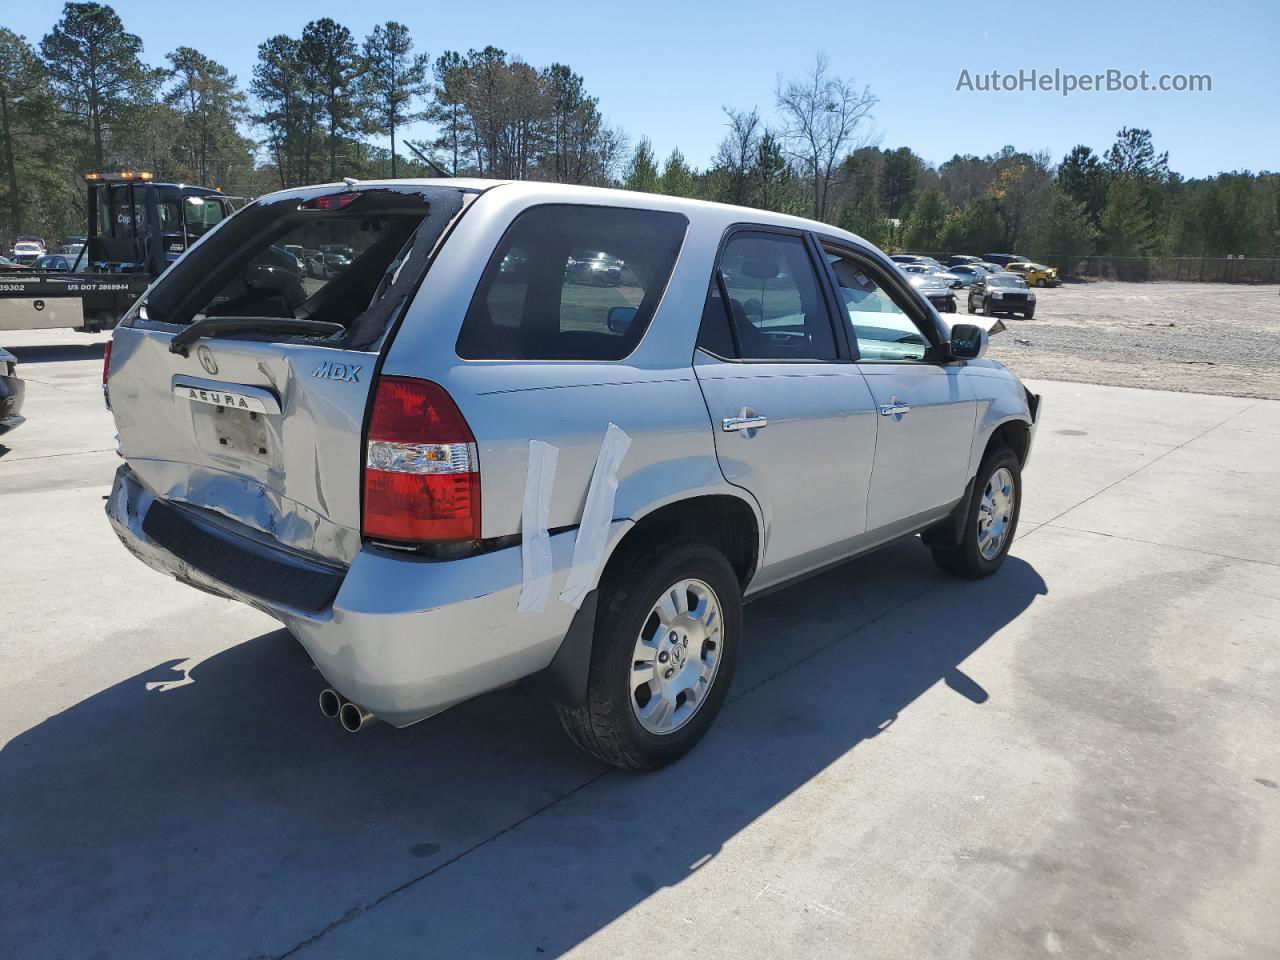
(206, 360)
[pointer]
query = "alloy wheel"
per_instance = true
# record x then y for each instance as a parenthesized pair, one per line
(676, 657)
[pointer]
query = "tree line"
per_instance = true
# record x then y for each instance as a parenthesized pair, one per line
(325, 104)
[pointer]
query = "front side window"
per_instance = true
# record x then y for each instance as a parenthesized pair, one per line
(775, 306)
(882, 329)
(572, 282)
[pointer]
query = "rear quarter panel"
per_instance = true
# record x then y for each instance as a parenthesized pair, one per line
(652, 394)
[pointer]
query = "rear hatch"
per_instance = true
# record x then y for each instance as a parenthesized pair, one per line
(239, 384)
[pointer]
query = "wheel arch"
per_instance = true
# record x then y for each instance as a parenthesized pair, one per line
(726, 518)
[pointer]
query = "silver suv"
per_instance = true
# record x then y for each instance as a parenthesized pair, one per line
(460, 461)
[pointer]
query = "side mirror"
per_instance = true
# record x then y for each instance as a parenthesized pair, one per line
(619, 318)
(968, 341)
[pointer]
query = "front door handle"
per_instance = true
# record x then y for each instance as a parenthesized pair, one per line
(894, 408)
(730, 424)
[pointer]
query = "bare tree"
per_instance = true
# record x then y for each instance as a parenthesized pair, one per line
(737, 151)
(824, 117)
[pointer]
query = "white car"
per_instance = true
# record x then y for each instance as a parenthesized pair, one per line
(27, 251)
(451, 467)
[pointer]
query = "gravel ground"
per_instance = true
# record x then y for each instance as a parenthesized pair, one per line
(1190, 337)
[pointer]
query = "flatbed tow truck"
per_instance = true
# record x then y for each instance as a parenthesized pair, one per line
(137, 227)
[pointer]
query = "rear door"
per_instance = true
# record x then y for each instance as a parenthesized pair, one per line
(264, 429)
(793, 419)
(926, 409)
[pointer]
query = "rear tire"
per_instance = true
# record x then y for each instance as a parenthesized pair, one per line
(992, 512)
(609, 724)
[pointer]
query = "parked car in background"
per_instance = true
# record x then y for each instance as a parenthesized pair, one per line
(10, 265)
(1002, 294)
(1002, 259)
(454, 476)
(956, 259)
(938, 291)
(990, 267)
(53, 263)
(11, 392)
(595, 268)
(329, 261)
(930, 270)
(968, 272)
(27, 249)
(1036, 274)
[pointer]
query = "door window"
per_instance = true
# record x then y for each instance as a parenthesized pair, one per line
(879, 326)
(775, 309)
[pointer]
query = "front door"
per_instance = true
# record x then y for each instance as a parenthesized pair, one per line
(794, 421)
(926, 408)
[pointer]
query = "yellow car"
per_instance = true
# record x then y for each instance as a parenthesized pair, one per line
(1036, 274)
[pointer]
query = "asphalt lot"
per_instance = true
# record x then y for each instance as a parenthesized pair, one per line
(1078, 757)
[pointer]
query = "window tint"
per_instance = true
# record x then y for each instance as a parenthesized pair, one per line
(714, 335)
(881, 328)
(572, 282)
(775, 302)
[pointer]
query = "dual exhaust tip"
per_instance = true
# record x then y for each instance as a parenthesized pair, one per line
(352, 716)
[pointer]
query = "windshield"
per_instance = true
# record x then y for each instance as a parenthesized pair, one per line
(1005, 280)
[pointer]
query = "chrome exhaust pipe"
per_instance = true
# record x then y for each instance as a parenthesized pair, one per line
(354, 717)
(331, 702)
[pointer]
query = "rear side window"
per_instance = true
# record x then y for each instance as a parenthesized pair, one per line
(572, 282)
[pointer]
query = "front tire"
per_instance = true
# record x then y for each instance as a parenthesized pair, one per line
(991, 519)
(665, 648)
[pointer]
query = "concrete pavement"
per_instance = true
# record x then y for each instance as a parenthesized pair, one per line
(1077, 757)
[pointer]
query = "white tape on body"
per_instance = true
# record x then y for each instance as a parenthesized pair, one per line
(535, 541)
(597, 515)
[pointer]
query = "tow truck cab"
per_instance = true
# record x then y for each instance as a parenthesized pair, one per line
(139, 226)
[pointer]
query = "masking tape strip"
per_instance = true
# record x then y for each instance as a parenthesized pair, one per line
(535, 541)
(597, 516)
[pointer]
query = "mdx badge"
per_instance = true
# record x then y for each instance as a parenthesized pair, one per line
(346, 372)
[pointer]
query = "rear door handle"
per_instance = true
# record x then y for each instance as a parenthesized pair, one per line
(730, 424)
(895, 408)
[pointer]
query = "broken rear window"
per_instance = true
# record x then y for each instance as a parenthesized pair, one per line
(349, 258)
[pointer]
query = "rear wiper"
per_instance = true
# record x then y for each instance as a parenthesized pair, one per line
(218, 326)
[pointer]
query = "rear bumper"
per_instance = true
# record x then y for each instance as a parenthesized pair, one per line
(404, 637)
(12, 391)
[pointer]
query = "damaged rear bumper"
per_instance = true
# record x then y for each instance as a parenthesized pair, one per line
(403, 636)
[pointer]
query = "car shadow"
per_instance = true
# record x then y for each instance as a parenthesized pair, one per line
(57, 352)
(210, 810)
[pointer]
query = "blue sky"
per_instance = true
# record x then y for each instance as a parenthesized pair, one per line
(664, 69)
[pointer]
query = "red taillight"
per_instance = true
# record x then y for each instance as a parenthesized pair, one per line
(330, 201)
(422, 475)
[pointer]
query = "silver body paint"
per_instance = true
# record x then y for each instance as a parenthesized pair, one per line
(407, 637)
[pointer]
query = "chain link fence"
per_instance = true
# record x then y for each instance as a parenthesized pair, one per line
(1186, 269)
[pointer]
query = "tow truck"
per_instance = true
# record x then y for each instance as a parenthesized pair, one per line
(137, 227)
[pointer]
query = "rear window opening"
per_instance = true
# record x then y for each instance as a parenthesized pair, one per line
(335, 262)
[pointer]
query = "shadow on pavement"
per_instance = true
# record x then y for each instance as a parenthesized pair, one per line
(57, 352)
(216, 813)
